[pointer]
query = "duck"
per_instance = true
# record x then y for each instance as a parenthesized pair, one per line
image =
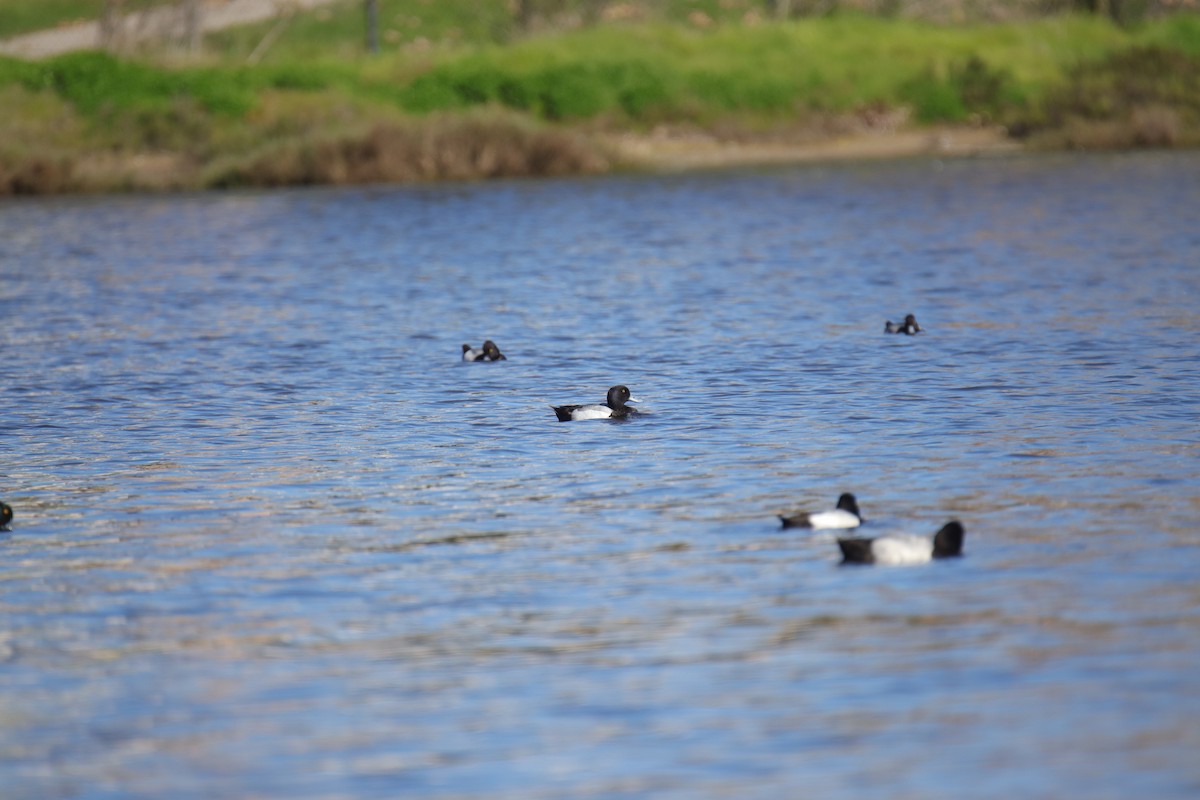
(489, 352)
(613, 408)
(899, 549)
(6, 515)
(908, 327)
(845, 515)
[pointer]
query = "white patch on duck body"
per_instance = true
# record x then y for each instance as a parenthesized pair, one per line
(900, 550)
(592, 412)
(838, 518)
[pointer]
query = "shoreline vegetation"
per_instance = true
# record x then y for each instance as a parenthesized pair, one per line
(638, 92)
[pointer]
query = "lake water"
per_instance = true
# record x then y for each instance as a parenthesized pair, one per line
(273, 539)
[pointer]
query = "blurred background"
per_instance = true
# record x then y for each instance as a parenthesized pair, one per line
(152, 94)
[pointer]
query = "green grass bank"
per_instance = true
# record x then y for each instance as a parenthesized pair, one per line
(477, 102)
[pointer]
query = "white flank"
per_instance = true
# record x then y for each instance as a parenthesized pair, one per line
(474, 354)
(591, 412)
(837, 518)
(901, 550)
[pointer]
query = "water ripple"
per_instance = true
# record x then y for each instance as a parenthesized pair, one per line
(274, 538)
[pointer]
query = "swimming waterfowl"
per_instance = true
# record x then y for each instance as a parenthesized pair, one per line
(614, 408)
(846, 515)
(6, 515)
(909, 326)
(489, 352)
(900, 550)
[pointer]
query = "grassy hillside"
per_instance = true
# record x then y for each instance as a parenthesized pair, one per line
(318, 110)
(26, 16)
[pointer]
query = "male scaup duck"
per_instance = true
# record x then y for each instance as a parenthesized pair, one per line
(909, 326)
(846, 515)
(6, 516)
(614, 408)
(489, 352)
(903, 549)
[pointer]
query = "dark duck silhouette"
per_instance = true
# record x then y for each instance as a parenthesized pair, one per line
(909, 326)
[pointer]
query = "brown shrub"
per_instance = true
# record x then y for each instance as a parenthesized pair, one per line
(484, 145)
(1151, 126)
(1156, 126)
(1140, 97)
(35, 175)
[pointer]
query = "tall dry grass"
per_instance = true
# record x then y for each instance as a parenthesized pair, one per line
(482, 144)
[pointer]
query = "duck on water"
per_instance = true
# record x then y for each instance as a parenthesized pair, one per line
(908, 327)
(845, 515)
(489, 352)
(898, 550)
(615, 407)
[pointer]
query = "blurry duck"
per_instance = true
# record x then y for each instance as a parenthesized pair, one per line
(6, 515)
(909, 326)
(489, 352)
(903, 549)
(614, 408)
(846, 515)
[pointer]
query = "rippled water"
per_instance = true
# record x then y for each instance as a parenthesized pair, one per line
(274, 539)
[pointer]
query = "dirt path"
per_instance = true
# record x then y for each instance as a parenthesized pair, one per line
(703, 152)
(218, 14)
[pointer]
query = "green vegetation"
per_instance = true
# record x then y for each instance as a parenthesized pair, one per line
(324, 111)
(336, 31)
(94, 81)
(25, 16)
(657, 72)
(1142, 97)
(22, 16)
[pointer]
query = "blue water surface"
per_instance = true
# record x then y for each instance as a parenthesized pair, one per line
(274, 539)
